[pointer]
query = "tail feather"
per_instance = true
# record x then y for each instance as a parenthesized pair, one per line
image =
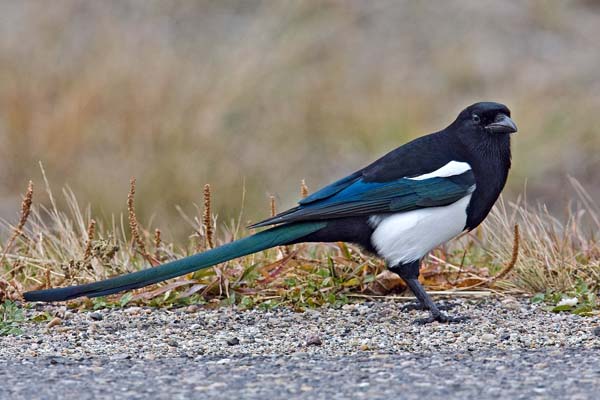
(277, 236)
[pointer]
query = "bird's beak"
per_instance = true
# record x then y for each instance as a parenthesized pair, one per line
(502, 124)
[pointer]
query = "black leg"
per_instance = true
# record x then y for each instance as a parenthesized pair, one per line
(410, 274)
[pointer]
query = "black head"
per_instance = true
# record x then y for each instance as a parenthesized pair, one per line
(483, 130)
(485, 119)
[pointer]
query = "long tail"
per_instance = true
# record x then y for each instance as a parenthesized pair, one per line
(277, 236)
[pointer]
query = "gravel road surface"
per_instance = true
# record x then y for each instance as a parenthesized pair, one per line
(509, 349)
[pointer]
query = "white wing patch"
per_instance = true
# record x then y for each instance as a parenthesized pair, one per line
(450, 169)
(408, 236)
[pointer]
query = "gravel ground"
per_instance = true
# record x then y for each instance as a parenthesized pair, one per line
(369, 350)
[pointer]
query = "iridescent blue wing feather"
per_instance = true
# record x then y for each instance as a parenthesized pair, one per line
(353, 196)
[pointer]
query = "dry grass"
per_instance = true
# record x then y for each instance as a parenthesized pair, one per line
(303, 189)
(91, 231)
(59, 247)
(207, 222)
(18, 229)
(555, 255)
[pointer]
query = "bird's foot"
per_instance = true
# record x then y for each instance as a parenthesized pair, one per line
(413, 307)
(421, 307)
(440, 317)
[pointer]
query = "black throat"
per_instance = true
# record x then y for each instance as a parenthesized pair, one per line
(490, 160)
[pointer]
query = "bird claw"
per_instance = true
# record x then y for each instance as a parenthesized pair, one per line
(413, 307)
(441, 317)
(421, 307)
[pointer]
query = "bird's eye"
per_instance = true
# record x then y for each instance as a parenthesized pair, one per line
(476, 118)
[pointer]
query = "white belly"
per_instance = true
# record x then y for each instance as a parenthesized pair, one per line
(405, 237)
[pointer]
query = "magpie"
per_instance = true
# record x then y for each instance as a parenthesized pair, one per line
(399, 208)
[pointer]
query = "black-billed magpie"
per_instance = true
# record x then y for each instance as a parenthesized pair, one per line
(400, 207)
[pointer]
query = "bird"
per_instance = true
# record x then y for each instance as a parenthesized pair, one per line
(399, 208)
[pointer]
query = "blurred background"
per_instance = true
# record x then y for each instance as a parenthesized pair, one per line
(263, 94)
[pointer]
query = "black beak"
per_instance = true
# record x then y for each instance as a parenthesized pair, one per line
(502, 124)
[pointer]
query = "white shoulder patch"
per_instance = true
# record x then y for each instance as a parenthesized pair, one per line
(450, 169)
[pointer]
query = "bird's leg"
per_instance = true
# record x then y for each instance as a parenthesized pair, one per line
(424, 299)
(410, 274)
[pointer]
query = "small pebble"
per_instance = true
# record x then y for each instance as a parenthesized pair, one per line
(133, 310)
(488, 337)
(511, 305)
(96, 316)
(314, 341)
(233, 341)
(192, 308)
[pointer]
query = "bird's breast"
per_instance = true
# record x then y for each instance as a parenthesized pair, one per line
(408, 236)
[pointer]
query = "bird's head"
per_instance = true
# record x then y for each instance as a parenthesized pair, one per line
(484, 119)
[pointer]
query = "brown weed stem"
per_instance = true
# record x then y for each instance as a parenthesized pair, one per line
(18, 230)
